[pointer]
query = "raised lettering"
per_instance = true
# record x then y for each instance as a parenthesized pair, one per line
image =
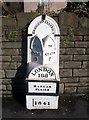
(40, 69)
(47, 22)
(42, 72)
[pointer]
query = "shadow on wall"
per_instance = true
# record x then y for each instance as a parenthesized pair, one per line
(18, 82)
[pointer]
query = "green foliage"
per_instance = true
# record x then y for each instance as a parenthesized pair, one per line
(70, 35)
(79, 8)
(12, 36)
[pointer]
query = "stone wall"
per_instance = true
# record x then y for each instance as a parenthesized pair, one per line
(74, 53)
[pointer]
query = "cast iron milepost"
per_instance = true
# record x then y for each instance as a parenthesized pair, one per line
(42, 80)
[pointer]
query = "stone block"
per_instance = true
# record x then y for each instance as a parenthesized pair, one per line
(0, 38)
(68, 19)
(0, 51)
(25, 18)
(69, 44)
(10, 52)
(6, 58)
(84, 79)
(10, 73)
(81, 44)
(62, 37)
(11, 45)
(86, 38)
(3, 87)
(76, 84)
(87, 51)
(0, 93)
(72, 64)
(76, 51)
(9, 87)
(83, 22)
(77, 38)
(0, 81)
(62, 51)
(6, 81)
(63, 30)
(70, 90)
(71, 84)
(0, 32)
(65, 57)
(9, 65)
(0, 58)
(81, 57)
(0, 87)
(70, 80)
(65, 72)
(0, 65)
(61, 88)
(84, 84)
(82, 31)
(9, 95)
(2, 74)
(61, 64)
(9, 21)
(85, 64)
(83, 90)
(6, 93)
(0, 44)
(80, 72)
(16, 58)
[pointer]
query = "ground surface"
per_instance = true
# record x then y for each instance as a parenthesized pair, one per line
(69, 107)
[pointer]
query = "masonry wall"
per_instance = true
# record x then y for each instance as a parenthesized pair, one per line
(74, 53)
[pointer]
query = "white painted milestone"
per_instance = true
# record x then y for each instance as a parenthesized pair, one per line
(42, 64)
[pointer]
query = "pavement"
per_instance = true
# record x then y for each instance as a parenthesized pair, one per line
(69, 107)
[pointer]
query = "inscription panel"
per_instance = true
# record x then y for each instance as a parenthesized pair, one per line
(49, 51)
(42, 87)
(42, 102)
(42, 72)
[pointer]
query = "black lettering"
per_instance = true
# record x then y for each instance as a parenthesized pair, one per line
(49, 58)
(34, 74)
(44, 103)
(40, 69)
(44, 69)
(35, 103)
(49, 45)
(36, 89)
(52, 74)
(36, 70)
(46, 75)
(48, 103)
(36, 27)
(38, 75)
(49, 71)
(39, 103)
(42, 75)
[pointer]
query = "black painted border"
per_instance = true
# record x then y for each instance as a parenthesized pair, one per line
(47, 94)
